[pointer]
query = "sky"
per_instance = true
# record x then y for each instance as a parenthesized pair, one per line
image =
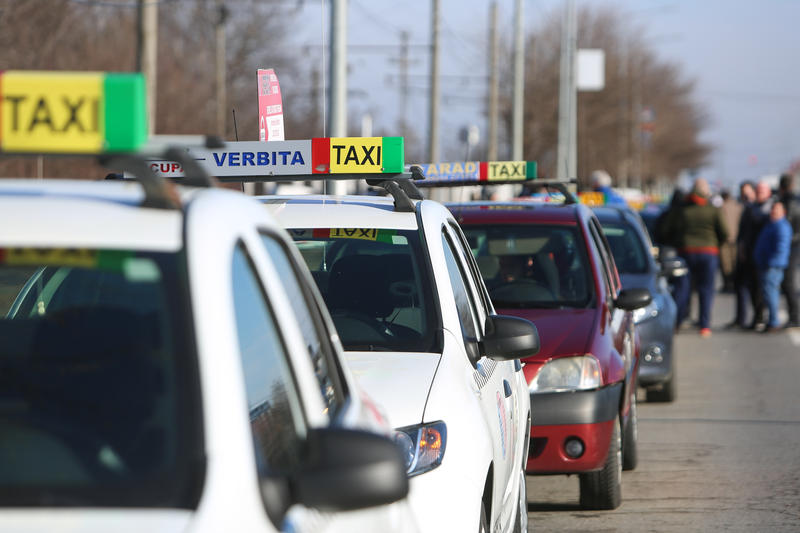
(741, 53)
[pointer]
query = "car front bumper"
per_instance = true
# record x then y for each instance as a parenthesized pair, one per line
(559, 417)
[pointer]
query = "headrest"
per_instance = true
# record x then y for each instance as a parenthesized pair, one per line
(360, 283)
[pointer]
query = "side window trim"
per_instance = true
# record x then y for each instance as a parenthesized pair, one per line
(480, 287)
(478, 328)
(601, 256)
(327, 349)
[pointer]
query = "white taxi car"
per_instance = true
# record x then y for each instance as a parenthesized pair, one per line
(422, 337)
(166, 364)
(170, 369)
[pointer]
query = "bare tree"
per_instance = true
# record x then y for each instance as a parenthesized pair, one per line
(89, 35)
(642, 127)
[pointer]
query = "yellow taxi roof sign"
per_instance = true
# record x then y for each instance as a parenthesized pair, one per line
(71, 112)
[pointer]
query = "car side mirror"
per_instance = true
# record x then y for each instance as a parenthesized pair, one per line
(632, 299)
(344, 470)
(509, 337)
(673, 267)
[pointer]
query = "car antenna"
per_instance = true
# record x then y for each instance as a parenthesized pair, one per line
(236, 133)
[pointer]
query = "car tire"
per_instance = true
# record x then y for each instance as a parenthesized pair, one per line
(483, 526)
(602, 490)
(665, 393)
(630, 437)
(521, 522)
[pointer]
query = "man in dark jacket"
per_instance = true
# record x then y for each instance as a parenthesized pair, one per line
(772, 257)
(754, 216)
(789, 285)
(700, 230)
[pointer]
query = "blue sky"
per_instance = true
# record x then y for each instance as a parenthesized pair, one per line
(742, 53)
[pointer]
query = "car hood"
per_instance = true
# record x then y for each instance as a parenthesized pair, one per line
(94, 520)
(398, 381)
(561, 331)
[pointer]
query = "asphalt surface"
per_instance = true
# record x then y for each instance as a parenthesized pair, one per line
(725, 456)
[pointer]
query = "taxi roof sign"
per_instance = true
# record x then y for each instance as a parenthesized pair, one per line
(478, 173)
(64, 112)
(318, 158)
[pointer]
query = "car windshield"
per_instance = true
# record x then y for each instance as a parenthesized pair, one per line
(628, 250)
(97, 406)
(376, 285)
(532, 266)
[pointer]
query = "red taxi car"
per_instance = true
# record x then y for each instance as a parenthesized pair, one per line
(551, 264)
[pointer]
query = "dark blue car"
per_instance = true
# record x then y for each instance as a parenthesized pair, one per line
(632, 249)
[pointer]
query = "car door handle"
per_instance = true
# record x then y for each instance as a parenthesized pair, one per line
(507, 388)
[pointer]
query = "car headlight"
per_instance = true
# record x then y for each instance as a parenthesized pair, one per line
(567, 373)
(649, 311)
(422, 446)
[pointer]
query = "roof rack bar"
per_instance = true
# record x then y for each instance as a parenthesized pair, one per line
(402, 203)
(158, 192)
(194, 175)
(558, 185)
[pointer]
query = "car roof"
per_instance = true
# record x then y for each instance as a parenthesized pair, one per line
(83, 213)
(610, 214)
(518, 212)
(309, 211)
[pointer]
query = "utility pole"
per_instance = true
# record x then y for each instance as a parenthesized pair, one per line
(567, 99)
(433, 128)
(403, 64)
(222, 15)
(337, 126)
(519, 82)
(146, 54)
(493, 81)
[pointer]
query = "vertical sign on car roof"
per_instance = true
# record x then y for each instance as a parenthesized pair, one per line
(270, 106)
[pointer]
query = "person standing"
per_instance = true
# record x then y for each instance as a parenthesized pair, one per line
(731, 211)
(601, 182)
(771, 255)
(700, 230)
(753, 220)
(745, 268)
(791, 205)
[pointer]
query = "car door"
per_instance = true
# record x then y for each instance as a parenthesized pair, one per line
(341, 405)
(493, 379)
(617, 320)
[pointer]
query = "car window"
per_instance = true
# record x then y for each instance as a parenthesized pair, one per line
(99, 401)
(464, 304)
(376, 285)
(532, 266)
(276, 418)
(627, 247)
(319, 347)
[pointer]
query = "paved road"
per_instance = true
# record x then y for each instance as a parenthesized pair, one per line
(725, 456)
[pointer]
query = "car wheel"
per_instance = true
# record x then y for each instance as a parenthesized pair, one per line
(483, 527)
(521, 523)
(630, 437)
(666, 393)
(602, 490)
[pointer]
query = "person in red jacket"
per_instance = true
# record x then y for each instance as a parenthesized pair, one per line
(699, 230)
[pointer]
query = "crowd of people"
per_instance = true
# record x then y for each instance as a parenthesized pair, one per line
(755, 243)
